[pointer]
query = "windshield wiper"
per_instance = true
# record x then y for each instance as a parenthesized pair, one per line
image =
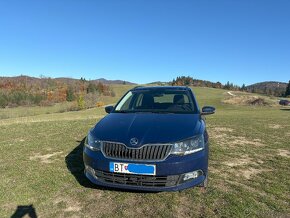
(123, 111)
(145, 112)
(162, 112)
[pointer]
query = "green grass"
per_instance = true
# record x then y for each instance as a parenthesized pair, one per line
(249, 166)
(23, 111)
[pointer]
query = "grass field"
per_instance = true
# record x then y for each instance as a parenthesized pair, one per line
(25, 111)
(41, 165)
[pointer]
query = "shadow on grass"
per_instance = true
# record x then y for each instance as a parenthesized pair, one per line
(285, 109)
(25, 211)
(75, 164)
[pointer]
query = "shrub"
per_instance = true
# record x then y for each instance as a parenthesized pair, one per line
(258, 101)
(100, 104)
(81, 102)
(3, 101)
(91, 100)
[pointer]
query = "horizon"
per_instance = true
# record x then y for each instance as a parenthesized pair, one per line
(243, 42)
(117, 79)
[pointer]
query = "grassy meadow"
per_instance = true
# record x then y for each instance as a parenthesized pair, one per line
(249, 165)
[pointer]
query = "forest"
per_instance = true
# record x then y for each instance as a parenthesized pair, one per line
(278, 89)
(46, 91)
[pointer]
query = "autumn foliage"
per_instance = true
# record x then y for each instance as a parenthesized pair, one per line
(25, 90)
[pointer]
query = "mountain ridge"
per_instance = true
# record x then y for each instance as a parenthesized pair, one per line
(268, 87)
(67, 79)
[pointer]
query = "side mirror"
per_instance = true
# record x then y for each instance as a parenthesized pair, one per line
(109, 109)
(206, 110)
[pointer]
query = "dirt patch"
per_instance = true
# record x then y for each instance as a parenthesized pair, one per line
(283, 153)
(241, 140)
(223, 135)
(218, 135)
(73, 208)
(220, 132)
(275, 126)
(231, 94)
(223, 129)
(46, 158)
(250, 172)
(239, 162)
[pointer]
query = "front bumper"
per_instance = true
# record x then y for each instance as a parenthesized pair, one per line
(173, 168)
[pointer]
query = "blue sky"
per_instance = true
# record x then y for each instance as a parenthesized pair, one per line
(244, 41)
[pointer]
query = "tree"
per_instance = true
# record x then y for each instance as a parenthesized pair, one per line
(227, 85)
(101, 87)
(92, 88)
(219, 85)
(243, 87)
(70, 94)
(287, 92)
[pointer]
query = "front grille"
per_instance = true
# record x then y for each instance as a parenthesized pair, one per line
(146, 152)
(137, 180)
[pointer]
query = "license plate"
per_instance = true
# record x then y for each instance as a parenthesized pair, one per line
(131, 168)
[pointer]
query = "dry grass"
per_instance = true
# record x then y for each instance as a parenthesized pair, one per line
(283, 153)
(45, 158)
(249, 100)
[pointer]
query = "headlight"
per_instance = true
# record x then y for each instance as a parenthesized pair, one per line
(188, 146)
(92, 143)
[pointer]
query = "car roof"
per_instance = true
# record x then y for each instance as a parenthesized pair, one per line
(178, 88)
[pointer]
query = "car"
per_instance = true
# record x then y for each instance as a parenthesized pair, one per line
(153, 139)
(284, 102)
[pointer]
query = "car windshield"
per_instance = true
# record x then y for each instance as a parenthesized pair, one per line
(156, 101)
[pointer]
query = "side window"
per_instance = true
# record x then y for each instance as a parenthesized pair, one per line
(126, 105)
(125, 102)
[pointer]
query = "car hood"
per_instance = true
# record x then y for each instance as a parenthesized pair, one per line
(147, 128)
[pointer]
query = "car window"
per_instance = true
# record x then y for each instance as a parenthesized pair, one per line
(171, 101)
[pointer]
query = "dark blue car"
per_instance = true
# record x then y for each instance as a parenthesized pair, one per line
(154, 139)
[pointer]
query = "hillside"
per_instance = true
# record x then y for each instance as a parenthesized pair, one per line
(25, 90)
(269, 88)
(115, 82)
(63, 80)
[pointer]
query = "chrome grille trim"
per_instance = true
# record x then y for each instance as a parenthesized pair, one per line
(147, 152)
